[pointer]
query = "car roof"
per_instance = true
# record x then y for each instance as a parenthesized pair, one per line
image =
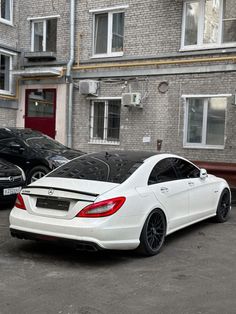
(19, 131)
(137, 156)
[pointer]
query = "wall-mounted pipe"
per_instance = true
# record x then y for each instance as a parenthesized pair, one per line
(154, 62)
(68, 74)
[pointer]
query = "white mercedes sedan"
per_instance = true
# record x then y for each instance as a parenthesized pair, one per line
(119, 200)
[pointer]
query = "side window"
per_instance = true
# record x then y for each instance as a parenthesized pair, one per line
(185, 169)
(6, 11)
(105, 121)
(4, 139)
(9, 144)
(44, 35)
(4, 144)
(109, 34)
(162, 172)
(5, 73)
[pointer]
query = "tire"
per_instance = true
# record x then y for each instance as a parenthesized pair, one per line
(153, 233)
(223, 207)
(36, 173)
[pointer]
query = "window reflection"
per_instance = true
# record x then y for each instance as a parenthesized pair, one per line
(195, 120)
(191, 23)
(216, 121)
(211, 22)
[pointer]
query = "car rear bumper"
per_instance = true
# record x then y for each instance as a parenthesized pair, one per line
(97, 232)
(78, 245)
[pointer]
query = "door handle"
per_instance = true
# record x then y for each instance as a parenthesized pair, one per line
(164, 190)
(191, 183)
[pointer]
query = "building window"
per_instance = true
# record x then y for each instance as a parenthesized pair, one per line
(205, 122)
(209, 23)
(44, 35)
(109, 34)
(6, 11)
(105, 121)
(5, 70)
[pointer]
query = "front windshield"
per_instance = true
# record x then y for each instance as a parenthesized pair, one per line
(43, 142)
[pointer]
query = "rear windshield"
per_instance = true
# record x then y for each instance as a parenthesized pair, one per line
(99, 167)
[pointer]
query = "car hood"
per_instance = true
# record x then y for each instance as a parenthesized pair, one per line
(86, 187)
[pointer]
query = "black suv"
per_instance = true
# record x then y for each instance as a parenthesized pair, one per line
(34, 152)
(12, 179)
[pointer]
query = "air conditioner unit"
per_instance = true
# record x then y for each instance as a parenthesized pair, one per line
(131, 100)
(88, 87)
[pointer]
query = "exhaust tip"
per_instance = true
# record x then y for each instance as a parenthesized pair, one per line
(86, 247)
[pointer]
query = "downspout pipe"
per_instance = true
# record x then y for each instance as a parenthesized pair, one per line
(68, 74)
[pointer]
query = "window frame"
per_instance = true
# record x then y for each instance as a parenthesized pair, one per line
(6, 21)
(203, 144)
(110, 13)
(10, 55)
(38, 20)
(201, 23)
(92, 140)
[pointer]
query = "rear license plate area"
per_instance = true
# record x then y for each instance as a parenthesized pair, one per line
(11, 191)
(52, 203)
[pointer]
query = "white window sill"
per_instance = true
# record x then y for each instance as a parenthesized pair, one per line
(207, 47)
(102, 142)
(7, 22)
(113, 55)
(5, 93)
(220, 147)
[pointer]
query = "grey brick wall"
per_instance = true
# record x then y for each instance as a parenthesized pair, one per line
(42, 8)
(7, 117)
(9, 33)
(151, 27)
(9, 42)
(162, 117)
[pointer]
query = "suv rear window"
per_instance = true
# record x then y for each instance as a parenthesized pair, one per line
(106, 167)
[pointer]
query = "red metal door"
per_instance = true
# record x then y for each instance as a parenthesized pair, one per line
(40, 110)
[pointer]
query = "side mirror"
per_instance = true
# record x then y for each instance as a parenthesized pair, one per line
(16, 146)
(203, 174)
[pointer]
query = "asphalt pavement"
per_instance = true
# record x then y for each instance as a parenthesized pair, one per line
(193, 274)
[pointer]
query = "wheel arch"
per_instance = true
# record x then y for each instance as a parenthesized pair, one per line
(29, 174)
(36, 163)
(149, 212)
(223, 187)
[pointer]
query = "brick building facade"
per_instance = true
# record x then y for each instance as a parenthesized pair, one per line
(9, 56)
(178, 56)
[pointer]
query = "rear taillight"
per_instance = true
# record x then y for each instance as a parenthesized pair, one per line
(103, 208)
(20, 202)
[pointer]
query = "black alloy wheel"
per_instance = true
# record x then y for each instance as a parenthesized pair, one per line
(223, 207)
(153, 233)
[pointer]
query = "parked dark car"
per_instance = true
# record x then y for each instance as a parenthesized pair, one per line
(12, 179)
(34, 152)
